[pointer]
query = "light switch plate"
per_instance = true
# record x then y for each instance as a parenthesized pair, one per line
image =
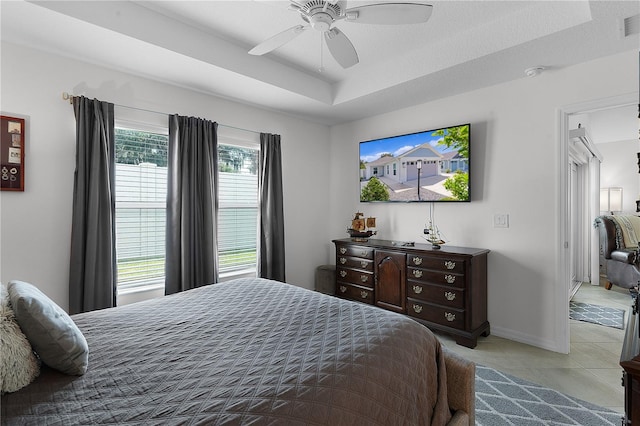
(501, 220)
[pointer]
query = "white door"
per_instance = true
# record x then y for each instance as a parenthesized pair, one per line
(584, 181)
(576, 248)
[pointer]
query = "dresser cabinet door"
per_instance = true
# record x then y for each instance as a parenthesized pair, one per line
(390, 273)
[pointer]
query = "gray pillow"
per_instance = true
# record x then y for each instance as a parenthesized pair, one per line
(52, 333)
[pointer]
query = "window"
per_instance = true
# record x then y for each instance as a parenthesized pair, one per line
(141, 197)
(238, 208)
(141, 193)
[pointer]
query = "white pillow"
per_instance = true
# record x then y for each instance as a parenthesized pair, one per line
(19, 366)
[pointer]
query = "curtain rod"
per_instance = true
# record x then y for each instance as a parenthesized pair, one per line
(67, 97)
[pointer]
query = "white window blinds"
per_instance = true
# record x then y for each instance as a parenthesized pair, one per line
(141, 192)
(238, 208)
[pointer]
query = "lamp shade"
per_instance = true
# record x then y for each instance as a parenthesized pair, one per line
(611, 199)
(615, 199)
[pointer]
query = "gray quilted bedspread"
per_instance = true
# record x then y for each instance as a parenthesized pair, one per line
(249, 351)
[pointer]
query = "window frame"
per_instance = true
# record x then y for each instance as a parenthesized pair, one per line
(146, 121)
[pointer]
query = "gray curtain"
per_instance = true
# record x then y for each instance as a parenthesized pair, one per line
(92, 270)
(271, 222)
(191, 243)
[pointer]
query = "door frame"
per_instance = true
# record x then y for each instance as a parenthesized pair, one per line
(563, 269)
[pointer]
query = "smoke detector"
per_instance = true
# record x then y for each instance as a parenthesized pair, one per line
(534, 71)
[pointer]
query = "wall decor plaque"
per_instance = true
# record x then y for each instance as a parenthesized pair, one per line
(12, 140)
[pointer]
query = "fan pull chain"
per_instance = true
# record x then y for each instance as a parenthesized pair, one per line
(321, 69)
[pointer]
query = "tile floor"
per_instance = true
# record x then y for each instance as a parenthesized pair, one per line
(590, 372)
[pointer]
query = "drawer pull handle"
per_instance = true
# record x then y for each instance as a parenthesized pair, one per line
(449, 295)
(343, 250)
(449, 264)
(417, 289)
(449, 316)
(450, 279)
(417, 309)
(343, 273)
(417, 261)
(363, 294)
(363, 252)
(363, 264)
(417, 273)
(343, 289)
(364, 278)
(343, 260)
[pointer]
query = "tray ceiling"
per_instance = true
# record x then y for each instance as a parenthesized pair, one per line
(202, 45)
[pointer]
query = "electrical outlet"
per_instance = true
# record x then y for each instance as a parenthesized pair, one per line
(501, 220)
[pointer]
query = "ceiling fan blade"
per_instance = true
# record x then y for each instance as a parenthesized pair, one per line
(341, 48)
(277, 40)
(390, 13)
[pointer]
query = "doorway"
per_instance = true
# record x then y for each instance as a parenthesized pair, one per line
(574, 179)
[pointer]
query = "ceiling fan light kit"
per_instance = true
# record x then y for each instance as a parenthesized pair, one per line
(321, 15)
(321, 21)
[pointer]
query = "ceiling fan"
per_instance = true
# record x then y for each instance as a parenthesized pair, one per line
(321, 15)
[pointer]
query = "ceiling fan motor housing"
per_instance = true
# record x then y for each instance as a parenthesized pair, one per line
(320, 14)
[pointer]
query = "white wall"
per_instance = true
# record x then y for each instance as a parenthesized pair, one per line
(515, 170)
(620, 169)
(35, 225)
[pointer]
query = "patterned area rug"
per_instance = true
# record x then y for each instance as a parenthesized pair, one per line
(596, 314)
(502, 399)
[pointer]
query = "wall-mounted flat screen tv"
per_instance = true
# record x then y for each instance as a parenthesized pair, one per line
(428, 166)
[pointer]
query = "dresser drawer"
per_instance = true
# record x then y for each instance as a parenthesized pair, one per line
(355, 251)
(355, 262)
(436, 263)
(440, 295)
(436, 277)
(353, 292)
(353, 276)
(438, 314)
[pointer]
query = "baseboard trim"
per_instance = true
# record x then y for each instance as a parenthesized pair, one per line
(516, 336)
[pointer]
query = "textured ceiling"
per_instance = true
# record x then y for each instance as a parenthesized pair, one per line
(203, 45)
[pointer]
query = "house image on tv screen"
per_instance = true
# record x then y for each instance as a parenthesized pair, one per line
(435, 161)
(404, 168)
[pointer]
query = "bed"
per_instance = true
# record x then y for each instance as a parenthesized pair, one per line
(252, 351)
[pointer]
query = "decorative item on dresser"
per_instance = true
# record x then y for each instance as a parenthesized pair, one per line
(444, 289)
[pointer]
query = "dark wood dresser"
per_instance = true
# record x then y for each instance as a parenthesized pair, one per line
(445, 289)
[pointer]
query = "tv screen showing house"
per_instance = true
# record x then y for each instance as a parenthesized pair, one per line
(434, 161)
